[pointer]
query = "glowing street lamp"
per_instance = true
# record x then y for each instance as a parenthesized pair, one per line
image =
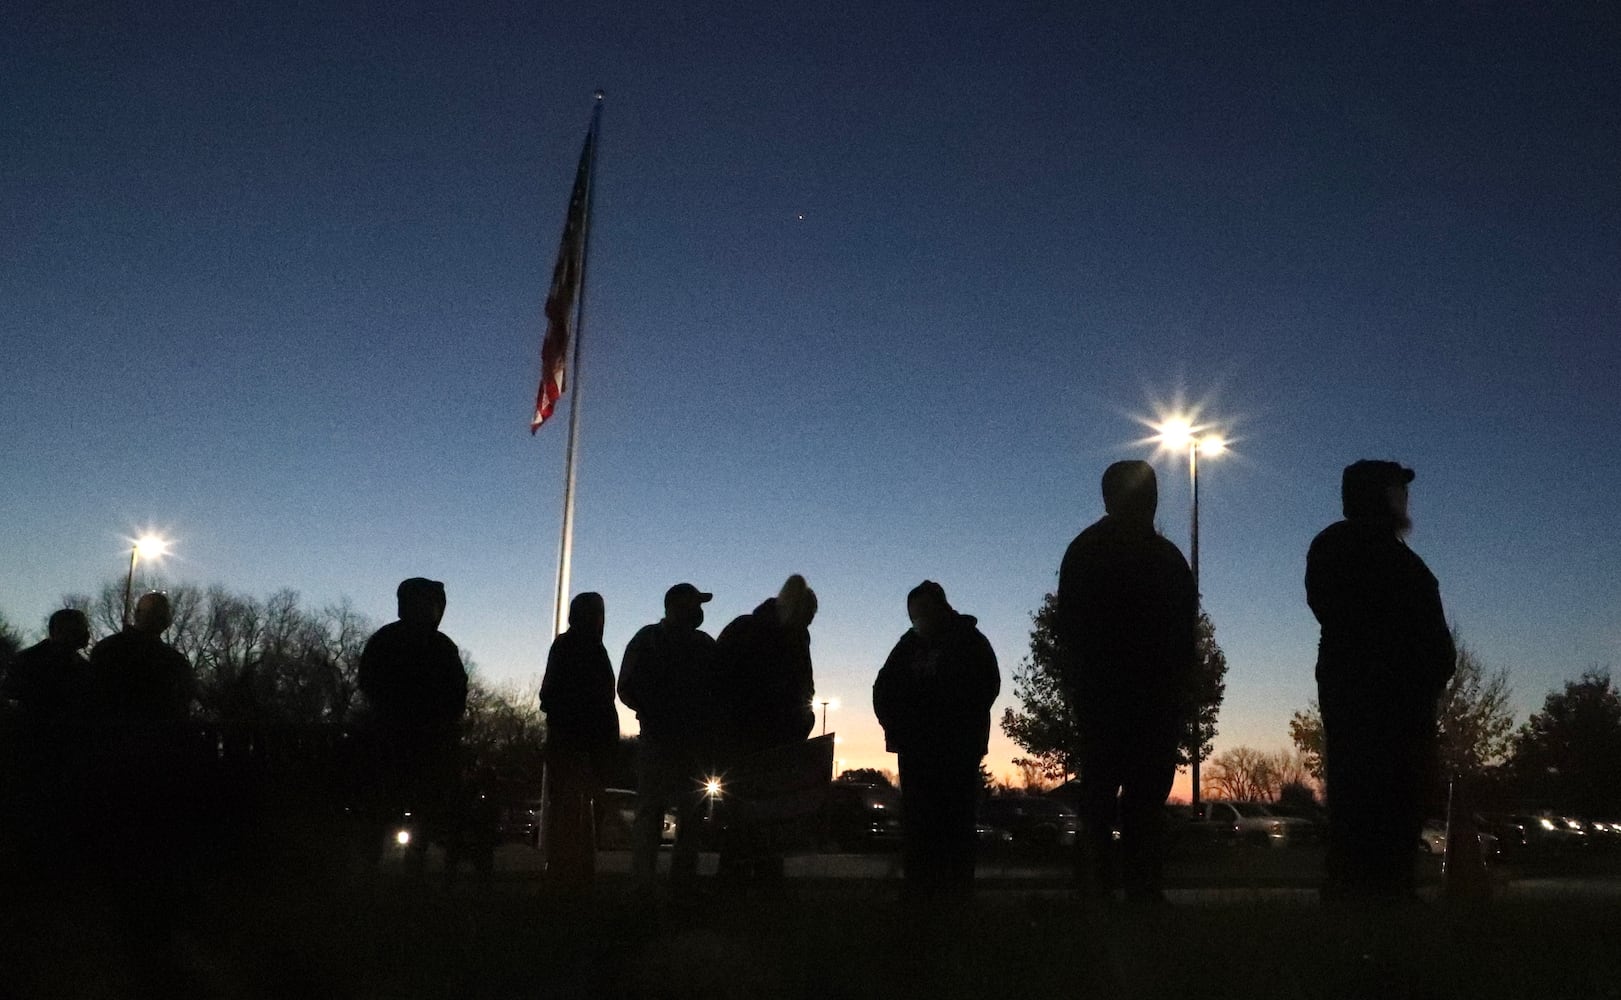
(149, 548)
(1176, 434)
(826, 704)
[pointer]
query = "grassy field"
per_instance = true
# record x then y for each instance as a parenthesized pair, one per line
(352, 936)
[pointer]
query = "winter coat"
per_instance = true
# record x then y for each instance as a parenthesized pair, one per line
(1125, 623)
(933, 696)
(577, 695)
(765, 680)
(413, 680)
(1384, 631)
(667, 678)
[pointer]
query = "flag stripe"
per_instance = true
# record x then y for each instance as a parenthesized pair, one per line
(560, 300)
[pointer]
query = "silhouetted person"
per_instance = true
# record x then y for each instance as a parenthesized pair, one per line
(148, 767)
(416, 687)
(933, 697)
(1382, 663)
(582, 730)
(667, 678)
(764, 683)
(1125, 627)
(139, 680)
(50, 684)
(50, 680)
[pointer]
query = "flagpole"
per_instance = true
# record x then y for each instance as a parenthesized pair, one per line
(565, 544)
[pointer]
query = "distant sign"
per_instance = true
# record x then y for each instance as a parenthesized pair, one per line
(781, 785)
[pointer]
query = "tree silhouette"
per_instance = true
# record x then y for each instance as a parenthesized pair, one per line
(867, 775)
(1476, 721)
(1567, 755)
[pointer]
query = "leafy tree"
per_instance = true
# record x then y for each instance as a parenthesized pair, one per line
(1476, 720)
(1046, 727)
(1567, 756)
(866, 775)
(1209, 688)
(1306, 733)
(1297, 798)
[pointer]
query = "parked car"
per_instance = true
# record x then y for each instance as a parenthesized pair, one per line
(858, 816)
(1033, 822)
(1253, 823)
(1432, 839)
(1530, 837)
(616, 812)
(991, 839)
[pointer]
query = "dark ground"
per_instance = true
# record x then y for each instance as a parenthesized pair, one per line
(293, 932)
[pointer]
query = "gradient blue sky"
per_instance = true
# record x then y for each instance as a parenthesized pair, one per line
(272, 278)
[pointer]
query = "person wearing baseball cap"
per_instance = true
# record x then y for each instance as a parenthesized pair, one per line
(667, 678)
(1383, 661)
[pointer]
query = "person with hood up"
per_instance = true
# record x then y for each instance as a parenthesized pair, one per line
(933, 698)
(1125, 626)
(1383, 661)
(415, 688)
(582, 730)
(763, 665)
(765, 679)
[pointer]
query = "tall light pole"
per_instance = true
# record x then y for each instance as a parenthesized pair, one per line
(1176, 434)
(148, 547)
(834, 702)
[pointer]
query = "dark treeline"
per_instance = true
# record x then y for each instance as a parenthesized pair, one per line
(277, 663)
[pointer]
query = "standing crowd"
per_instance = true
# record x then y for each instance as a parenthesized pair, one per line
(115, 723)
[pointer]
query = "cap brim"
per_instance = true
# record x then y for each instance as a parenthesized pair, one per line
(704, 598)
(1407, 475)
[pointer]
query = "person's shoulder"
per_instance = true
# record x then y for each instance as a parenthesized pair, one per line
(112, 645)
(1089, 535)
(1167, 550)
(737, 629)
(645, 634)
(386, 633)
(1341, 535)
(444, 644)
(33, 654)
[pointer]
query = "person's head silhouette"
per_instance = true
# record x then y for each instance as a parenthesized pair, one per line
(588, 614)
(421, 601)
(152, 613)
(1130, 490)
(684, 606)
(70, 628)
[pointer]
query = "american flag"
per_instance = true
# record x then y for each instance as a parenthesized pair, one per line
(566, 275)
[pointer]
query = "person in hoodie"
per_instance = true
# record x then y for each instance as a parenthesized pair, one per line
(1126, 609)
(933, 698)
(765, 680)
(764, 666)
(582, 730)
(415, 688)
(1383, 661)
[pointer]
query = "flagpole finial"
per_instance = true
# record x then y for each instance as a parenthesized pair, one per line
(600, 95)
